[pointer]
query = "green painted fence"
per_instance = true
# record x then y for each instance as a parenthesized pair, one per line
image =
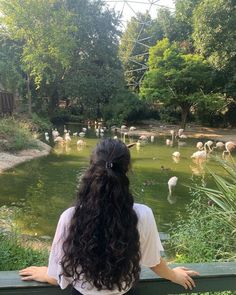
(213, 277)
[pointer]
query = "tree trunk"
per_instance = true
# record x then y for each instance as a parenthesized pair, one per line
(184, 115)
(53, 103)
(29, 96)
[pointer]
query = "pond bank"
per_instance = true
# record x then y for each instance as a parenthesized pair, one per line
(152, 127)
(9, 160)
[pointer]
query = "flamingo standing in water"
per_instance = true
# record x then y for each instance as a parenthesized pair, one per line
(171, 185)
(229, 146)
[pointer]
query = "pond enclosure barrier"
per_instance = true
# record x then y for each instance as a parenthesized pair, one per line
(6, 103)
(214, 277)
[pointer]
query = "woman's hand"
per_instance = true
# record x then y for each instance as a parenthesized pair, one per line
(182, 276)
(37, 273)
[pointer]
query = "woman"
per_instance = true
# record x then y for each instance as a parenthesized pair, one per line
(100, 243)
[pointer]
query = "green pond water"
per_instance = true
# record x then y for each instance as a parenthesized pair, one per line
(40, 190)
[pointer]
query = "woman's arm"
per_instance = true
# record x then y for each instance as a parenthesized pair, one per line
(37, 273)
(178, 275)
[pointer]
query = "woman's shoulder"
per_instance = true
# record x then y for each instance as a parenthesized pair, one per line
(142, 211)
(67, 214)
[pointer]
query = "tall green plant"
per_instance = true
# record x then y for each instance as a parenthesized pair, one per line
(224, 197)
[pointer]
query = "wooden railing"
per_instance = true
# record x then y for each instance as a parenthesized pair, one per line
(213, 277)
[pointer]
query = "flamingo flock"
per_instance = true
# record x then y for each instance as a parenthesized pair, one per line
(203, 152)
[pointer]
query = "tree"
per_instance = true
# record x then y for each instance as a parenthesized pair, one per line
(69, 50)
(215, 31)
(95, 74)
(11, 74)
(178, 79)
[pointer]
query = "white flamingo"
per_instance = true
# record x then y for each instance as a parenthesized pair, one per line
(219, 145)
(55, 133)
(132, 128)
(143, 138)
(176, 154)
(59, 139)
(172, 184)
(208, 145)
(229, 146)
(168, 142)
(46, 136)
(152, 138)
(67, 137)
(199, 145)
(81, 142)
(199, 155)
(82, 134)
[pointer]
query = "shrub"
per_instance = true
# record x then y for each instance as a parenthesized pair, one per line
(203, 237)
(40, 123)
(15, 135)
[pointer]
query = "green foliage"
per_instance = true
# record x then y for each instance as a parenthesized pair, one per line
(15, 135)
(214, 31)
(203, 237)
(209, 232)
(17, 255)
(224, 197)
(40, 123)
(125, 107)
(179, 79)
(10, 65)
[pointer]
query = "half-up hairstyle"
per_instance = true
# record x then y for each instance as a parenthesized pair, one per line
(102, 246)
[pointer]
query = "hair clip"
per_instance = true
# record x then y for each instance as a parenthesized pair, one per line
(109, 165)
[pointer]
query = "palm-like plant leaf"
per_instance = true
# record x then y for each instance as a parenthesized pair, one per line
(224, 197)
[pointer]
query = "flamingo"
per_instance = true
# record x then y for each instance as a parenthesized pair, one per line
(152, 138)
(219, 145)
(59, 139)
(143, 138)
(55, 133)
(176, 154)
(199, 145)
(46, 136)
(199, 155)
(67, 137)
(168, 142)
(183, 136)
(172, 184)
(229, 146)
(208, 145)
(132, 128)
(82, 134)
(180, 132)
(81, 142)
(123, 127)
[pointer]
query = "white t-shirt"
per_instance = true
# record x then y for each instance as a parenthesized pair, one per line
(150, 247)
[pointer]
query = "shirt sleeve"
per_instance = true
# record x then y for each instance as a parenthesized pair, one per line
(56, 253)
(150, 243)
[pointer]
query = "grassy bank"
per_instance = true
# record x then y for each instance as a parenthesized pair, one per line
(20, 134)
(15, 135)
(16, 254)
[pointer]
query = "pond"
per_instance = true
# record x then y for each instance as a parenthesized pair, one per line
(41, 189)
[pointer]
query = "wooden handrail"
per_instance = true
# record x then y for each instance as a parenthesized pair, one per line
(215, 276)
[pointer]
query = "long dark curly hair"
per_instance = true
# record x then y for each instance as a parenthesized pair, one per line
(102, 246)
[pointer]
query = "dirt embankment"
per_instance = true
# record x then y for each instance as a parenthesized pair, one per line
(152, 127)
(9, 160)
